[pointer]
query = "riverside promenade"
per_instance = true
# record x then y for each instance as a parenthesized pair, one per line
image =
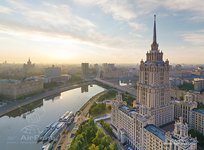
(14, 104)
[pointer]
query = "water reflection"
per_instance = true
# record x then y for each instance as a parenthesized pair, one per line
(20, 128)
(25, 110)
(53, 97)
(84, 88)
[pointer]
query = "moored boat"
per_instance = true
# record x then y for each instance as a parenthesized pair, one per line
(49, 132)
(44, 132)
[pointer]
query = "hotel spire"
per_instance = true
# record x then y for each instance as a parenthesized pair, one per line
(154, 45)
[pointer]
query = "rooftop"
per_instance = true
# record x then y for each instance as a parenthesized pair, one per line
(156, 62)
(199, 110)
(9, 81)
(127, 110)
(168, 127)
(156, 131)
(198, 79)
(12, 81)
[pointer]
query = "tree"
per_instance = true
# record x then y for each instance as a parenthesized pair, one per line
(93, 147)
(109, 107)
(113, 146)
(106, 140)
(99, 136)
(89, 137)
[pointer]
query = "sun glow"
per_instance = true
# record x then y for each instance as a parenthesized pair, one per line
(62, 54)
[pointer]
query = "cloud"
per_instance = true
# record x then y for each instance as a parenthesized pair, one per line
(137, 26)
(195, 38)
(120, 10)
(58, 21)
(127, 10)
(192, 5)
(5, 10)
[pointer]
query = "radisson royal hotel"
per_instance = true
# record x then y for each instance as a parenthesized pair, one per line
(141, 127)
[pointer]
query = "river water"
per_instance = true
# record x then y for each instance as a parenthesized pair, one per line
(20, 128)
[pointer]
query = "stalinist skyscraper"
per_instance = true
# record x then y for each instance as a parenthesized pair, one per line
(140, 127)
(153, 88)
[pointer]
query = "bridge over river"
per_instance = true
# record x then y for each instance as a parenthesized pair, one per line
(127, 89)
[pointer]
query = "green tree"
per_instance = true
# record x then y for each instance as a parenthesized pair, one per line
(106, 140)
(89, 137)
(99, 136)
(113, 146)
(93, 147)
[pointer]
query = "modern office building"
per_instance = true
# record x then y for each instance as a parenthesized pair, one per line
(140, 126)
(85, 69)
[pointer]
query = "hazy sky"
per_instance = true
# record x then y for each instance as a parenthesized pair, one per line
(96, 31)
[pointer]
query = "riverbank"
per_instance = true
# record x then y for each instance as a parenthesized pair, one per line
(81, 117)
(19, 103)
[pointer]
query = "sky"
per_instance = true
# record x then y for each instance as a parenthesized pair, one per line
(97, 31)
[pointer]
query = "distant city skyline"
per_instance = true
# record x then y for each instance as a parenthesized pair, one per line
(100, 31)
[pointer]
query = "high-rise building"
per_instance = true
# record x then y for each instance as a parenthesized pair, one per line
(85, 69)
(153, 88)
(140, 126)
(28, 68)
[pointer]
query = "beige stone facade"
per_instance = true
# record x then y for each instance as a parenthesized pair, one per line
(129, 123)
(139, 126)
(183, 108)
(153, 87)
(198, 84)
(16, 88)
(197, 122)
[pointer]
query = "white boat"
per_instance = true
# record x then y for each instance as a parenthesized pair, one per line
(64, 115)
(48, 146)
(44, 132)
(49, 132)
(57, 132)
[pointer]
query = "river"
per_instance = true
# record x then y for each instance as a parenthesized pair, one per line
(20, 128)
